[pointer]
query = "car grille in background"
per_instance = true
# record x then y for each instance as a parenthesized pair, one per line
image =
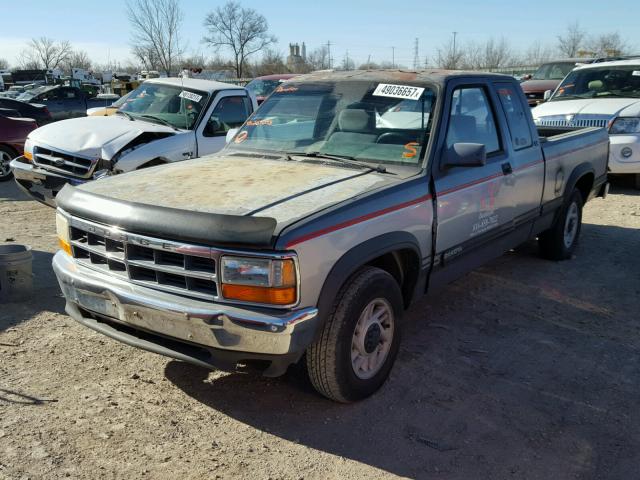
(63, 162)
(562, 121)
(151, 265)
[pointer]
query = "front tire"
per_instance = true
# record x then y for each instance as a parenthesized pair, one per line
(6, 155)
(560, 241)
(360, 339)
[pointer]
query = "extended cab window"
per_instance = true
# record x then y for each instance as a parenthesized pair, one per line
(471, 119)
(230, 112)
(518, 122)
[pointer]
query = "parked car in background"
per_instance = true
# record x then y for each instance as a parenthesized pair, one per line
(63, 102)
(601, 95)
(13, 133)
(262, 87)
(164, 120)
(547, 77)
(309, 236)
(40, 113)
(111, 109)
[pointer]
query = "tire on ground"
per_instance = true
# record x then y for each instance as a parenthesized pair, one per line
(329, 359)
(554, 244)
(6, 155)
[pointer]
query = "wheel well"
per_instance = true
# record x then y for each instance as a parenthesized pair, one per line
(403, 265)
(9, 147)
(584, 185)
(152, 163)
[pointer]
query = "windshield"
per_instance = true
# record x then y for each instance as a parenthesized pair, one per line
(362, 120)
(262, 88)
(553, 71)
(34, 92)
(122, 100)
(174, 105)
(620, 81)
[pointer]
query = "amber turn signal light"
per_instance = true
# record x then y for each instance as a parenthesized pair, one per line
(266, 295)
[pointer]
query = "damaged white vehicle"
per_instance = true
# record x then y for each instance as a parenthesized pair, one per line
(163, 121)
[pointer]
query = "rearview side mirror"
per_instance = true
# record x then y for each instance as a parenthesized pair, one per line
(231, 133)
(547, 95)
(465, 155)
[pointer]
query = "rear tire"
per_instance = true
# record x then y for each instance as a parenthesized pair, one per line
(6, 155)
(360, 339)
(560, 241)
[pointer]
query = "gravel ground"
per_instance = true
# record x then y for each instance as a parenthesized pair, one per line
(523, 369)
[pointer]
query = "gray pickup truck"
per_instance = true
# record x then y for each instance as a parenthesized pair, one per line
(341, 200)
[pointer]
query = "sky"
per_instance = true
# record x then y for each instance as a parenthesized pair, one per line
(362, 28)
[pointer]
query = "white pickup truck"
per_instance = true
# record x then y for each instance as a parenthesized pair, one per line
(600, 95)
(165, 120)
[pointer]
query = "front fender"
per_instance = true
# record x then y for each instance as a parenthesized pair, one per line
(170, 149)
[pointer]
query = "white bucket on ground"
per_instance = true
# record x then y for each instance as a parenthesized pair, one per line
(16, 278)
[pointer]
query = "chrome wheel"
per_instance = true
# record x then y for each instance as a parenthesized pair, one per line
(571, 225)
(5, 158)
(372, 338)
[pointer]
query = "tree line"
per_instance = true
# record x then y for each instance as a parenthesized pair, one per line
(237, 35)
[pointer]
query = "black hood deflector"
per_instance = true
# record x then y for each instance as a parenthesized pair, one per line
(168, 223)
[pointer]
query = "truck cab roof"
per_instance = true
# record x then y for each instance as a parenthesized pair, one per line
(197, 84)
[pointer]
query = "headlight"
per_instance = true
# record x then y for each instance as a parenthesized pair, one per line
(28, 150)
(62, 229)
(624, 125)
(259, 280)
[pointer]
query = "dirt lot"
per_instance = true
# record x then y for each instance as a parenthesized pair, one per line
(523, 369)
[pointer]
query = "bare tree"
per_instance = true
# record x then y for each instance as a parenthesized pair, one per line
(318, 59)
(45, 53)
(497, 53)
(369, 65)
(572, 41)
(347, 63)
(242, 30)
(536, 54)
(147, 57)
(449, 56)
(608, 44)
(4, 65)
(156, 32)
(272, 62)
(78, 59)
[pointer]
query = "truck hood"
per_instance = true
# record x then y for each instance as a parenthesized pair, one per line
(239, 185)
(94, 137)
(539, 85)
(611, 107)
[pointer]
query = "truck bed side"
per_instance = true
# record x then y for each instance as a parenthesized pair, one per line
(568, 156)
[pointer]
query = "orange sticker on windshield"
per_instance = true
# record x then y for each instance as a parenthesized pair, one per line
(256, 123)
(241, 137)
(284, 89)
(411, 150)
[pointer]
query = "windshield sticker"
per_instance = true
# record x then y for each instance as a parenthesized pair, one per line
(636, 73)
(283, 89)
(190, 96)
(411, 150)
(258, 123)
(241, 137)
(398, 91)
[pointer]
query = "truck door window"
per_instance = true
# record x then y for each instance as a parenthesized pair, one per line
(230, 112)
(472, 120)
(69, 93)
(518, 122)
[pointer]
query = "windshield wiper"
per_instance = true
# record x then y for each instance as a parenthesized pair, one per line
(161, 120)
(126, 114)
(345, 159)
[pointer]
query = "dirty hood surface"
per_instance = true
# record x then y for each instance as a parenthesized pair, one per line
(237, 185)
(93, 137)
(605, 106)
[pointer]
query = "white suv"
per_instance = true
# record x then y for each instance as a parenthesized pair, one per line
(601, 95)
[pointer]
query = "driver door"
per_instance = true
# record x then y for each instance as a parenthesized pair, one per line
(229, 110)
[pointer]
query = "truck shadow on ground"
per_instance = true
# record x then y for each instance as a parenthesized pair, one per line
(46, 294)
(498, 372)
(9, 191)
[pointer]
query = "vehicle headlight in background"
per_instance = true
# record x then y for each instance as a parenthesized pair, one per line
(28, 150)
(259, 280)
(62, 230)
(622, 125)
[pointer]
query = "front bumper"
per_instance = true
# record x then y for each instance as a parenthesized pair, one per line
(43, 185)
(617, 162)
(199, 332)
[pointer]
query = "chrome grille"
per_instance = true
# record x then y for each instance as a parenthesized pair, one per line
(63, 162)
(182, 269)
(580, 122)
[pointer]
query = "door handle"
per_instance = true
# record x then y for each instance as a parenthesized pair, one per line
(507, 169)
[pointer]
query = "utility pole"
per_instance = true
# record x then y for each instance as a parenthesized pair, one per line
(393, 57)
(329, 53)
(455, 34)
(416, 56)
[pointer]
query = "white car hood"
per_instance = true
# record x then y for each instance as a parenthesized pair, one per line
(611, 107)
(93, 137)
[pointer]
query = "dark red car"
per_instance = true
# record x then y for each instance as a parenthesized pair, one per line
(13, 133)
(262, 87)
(547, 77)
